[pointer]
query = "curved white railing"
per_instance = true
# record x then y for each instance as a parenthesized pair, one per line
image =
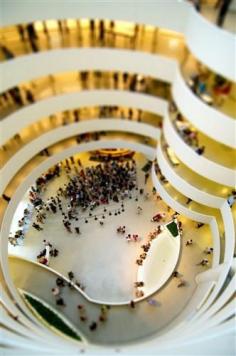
(207, 119)
(178, 16)
(166, 243)
(33, 335)
(61, 133)
(50, 164)
(32, 113)
(26, 318)
(210, 121)
(12, 324)
(211, 293)
(203, 198)
(31, 66)
(161, 14)
(33, 330)
(230, 230)
(220, 56)
(193, 215)
(197, 163)
(183, 186)
(175, 16)
(228, 257)
(223, 298)
(205, 284)
(43, 167)
(198, 217)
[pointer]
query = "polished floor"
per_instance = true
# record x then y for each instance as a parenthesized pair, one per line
(99, 256)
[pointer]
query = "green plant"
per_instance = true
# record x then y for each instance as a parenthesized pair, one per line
(173, 228)
(51, 317)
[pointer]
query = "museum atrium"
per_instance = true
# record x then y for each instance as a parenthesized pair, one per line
(117, 207)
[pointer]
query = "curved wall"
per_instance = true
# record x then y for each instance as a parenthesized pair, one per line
(181, 17)
(198, 163)
(61, 133)
(207, 199)
(177, 16)
(32, 113)
(210, 294)
(211, 45)
(31, 66)
(52, 160)
(154, 14)
(184, 187)
(208, 120)
(206, 219)
(195, 216)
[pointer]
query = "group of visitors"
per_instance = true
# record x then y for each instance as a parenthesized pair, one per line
(231, 199)
(48, 251)
(153, 234)
(61, 283)
(57, 292)
(160, 176)
(29, 93)
(133, 237)
(181, 281)
(103, 315)
(212, 88)
(23, 224)
(188, 133)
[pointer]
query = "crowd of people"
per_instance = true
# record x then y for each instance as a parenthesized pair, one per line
(87, 190)
(87, 195)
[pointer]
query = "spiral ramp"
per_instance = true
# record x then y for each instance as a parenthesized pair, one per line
(155, 51)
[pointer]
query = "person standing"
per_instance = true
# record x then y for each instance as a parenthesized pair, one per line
(224, 7)
(101, 32)
(29, 96)
(21, 31)
(32, 36)
(7, 53)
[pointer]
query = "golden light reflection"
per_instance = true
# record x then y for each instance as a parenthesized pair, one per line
(172, 156)
(84, 22)
(125, 28)
(51, 24)
(170, 33)
(173, 43)
(71, 23)
(38, 25)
